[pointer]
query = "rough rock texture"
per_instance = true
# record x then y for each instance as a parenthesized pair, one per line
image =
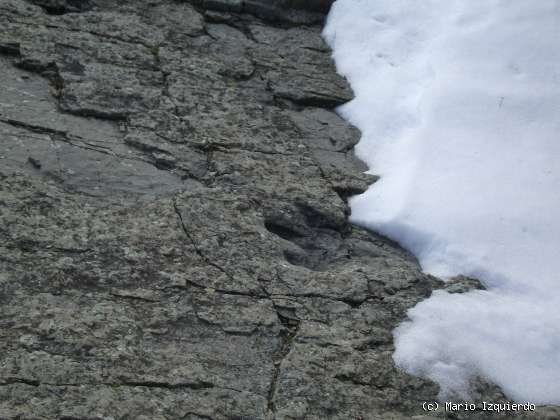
(174, 241)
(294, 11)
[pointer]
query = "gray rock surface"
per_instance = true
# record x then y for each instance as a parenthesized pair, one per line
(174, 241)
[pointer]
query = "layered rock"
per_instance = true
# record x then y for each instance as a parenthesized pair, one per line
(173, 221)
(295, 11)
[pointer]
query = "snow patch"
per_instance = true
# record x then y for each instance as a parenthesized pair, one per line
(459, 106)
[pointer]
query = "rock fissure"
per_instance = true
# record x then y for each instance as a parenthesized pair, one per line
(65, 137)
(196, 248)
(292, 328)
(133, 384)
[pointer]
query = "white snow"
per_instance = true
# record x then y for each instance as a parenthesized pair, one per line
(458, 102)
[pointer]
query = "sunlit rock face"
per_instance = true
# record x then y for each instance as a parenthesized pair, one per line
(174, 233)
